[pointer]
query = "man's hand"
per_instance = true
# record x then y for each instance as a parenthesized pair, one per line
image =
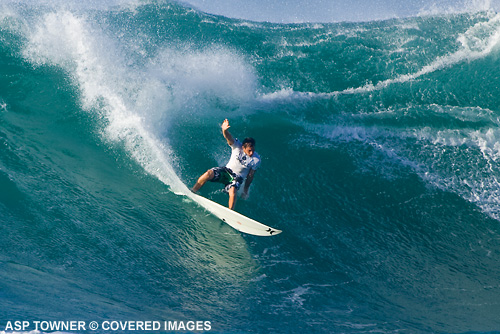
(225, 125)
(229, 138)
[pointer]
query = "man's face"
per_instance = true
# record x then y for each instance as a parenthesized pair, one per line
(248, 149)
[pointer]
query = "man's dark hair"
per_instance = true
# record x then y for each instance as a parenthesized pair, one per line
(248, 141)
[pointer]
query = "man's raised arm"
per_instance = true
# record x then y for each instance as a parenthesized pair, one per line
(225, 126)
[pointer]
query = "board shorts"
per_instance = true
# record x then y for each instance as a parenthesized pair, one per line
(227, 177)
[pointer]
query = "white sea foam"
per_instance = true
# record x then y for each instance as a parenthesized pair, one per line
(135, 103)
(471, 6)
(97, 67)
(479, 41)
(3, 106)
(462, 160)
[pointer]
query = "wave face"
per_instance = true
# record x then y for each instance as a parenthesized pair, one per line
(380, 147)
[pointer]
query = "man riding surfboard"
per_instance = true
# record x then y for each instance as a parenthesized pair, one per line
(243, 163)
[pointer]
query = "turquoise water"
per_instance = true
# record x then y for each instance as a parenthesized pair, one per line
(379, 145)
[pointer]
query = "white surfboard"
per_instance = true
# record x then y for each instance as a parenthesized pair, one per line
(233, 218)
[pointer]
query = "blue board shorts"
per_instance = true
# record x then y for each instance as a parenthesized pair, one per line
(227, 177)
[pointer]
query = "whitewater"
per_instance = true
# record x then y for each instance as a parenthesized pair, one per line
(380, 146)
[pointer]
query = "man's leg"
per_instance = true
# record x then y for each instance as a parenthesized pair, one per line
(207, 176)
(232, 197)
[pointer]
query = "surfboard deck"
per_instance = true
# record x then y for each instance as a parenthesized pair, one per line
(234, 219)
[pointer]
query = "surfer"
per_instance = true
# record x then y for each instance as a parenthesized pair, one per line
(241, 167)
